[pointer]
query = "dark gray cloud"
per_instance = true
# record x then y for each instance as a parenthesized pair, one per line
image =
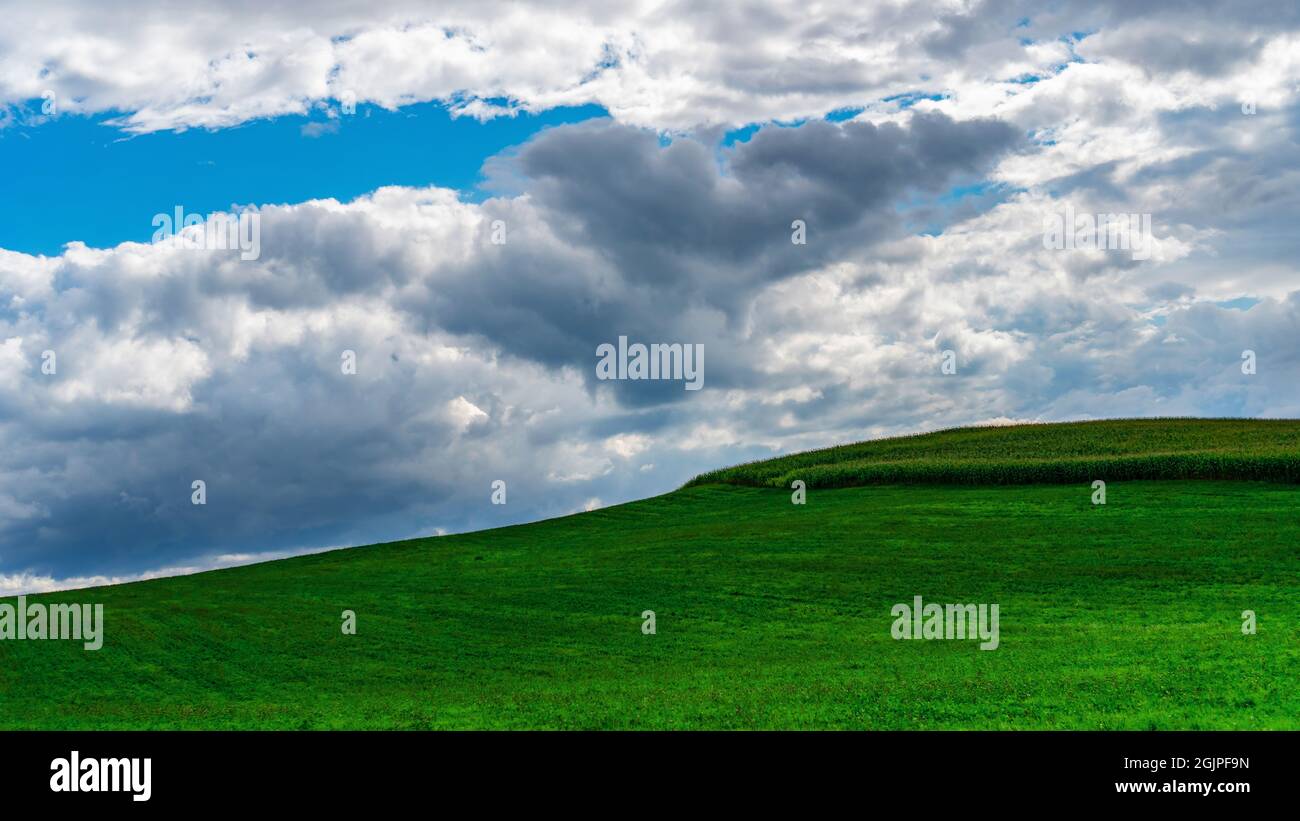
(679, 226)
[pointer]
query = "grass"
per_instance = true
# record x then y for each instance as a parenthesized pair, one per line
(1124, 449)
(769, 615)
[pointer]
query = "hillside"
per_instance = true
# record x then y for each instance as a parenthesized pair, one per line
(1256, 449)
(768, 615)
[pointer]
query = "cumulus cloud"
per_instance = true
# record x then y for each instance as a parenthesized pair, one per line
(669, 66)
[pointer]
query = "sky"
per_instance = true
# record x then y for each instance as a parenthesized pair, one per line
(845, 207)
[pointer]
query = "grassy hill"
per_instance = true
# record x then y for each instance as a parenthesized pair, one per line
(769, 614)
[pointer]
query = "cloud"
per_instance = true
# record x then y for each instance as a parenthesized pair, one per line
(474, 361)
(320, 128)
(673, 67)
(475, 358)
(26, 583)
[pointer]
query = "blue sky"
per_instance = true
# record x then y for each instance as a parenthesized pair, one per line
(123, 180)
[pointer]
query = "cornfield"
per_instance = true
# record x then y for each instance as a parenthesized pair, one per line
(1111, 450)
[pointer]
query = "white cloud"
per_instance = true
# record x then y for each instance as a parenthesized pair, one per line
(464, 413)
(17, 584)
(628, 445)
(673, 67)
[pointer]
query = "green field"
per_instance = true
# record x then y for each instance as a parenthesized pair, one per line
(768, 614)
